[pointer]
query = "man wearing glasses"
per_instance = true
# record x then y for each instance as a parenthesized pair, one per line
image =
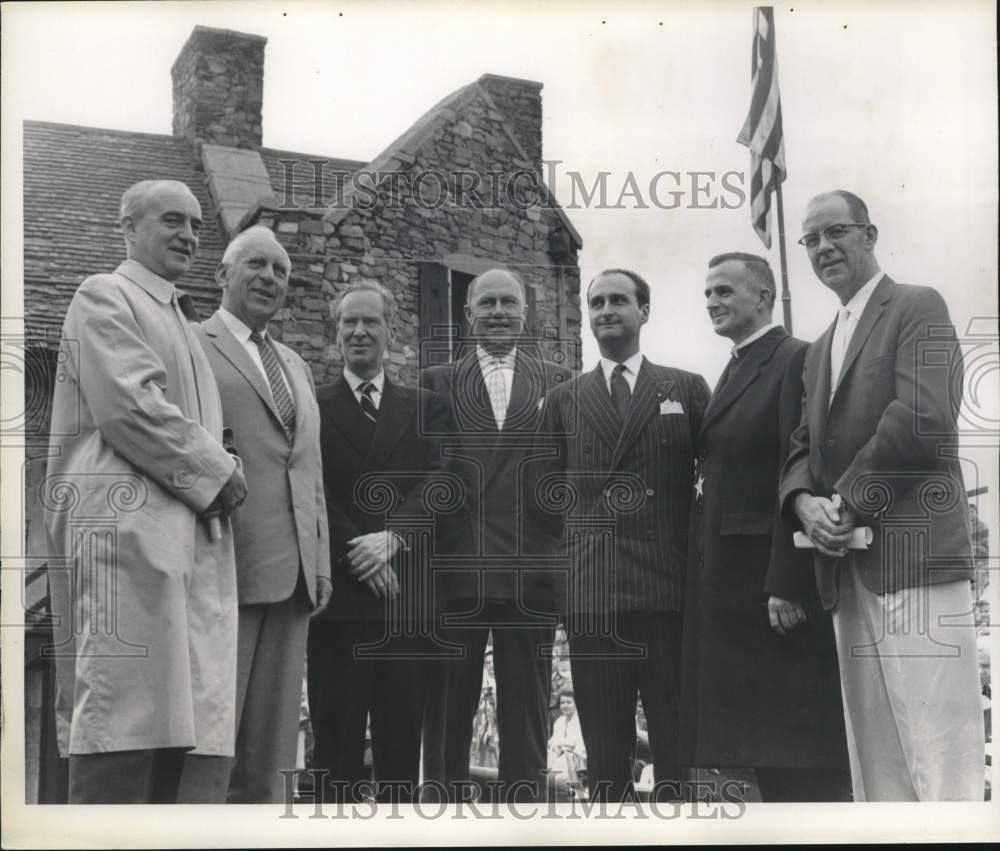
(876, 449)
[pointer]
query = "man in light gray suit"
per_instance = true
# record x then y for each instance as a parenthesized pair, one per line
(282, 545)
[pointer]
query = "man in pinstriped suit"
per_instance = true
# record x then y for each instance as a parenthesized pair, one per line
(623, 437)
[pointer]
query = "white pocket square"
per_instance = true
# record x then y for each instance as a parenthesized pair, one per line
(671, 407)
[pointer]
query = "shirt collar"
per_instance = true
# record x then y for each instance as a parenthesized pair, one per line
(756, 335)
(159, 288)
(354, 382)
(488, 359)
(860, 299)
(632, 365)
(237, 327)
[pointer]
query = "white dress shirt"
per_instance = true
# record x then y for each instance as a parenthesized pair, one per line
(488, 363)
(631, 371)
(241, 331)
(356, 383)
(847, 321)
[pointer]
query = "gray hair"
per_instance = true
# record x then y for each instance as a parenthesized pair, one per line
(388, 300)
(134, 202)
(233, 249)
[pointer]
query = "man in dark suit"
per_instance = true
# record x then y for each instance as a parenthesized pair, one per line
(364, 652)
(282, 547)
(760, 686)
(624, 437)
(877, 448)
(494, 392)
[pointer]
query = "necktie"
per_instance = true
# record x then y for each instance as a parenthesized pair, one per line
(841, 337)
(727, 373)
(368, 407)
(279, 391)
(620, 393)
(497, 388)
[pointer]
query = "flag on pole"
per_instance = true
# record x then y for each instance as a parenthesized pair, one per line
(762, 132)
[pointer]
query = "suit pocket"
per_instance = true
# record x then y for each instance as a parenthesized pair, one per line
(747, 523)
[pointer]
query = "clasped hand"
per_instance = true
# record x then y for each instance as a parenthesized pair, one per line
(370, 561)
(828, 527)
(233, 492)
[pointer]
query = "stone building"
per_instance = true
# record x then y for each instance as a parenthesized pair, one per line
(459, 192)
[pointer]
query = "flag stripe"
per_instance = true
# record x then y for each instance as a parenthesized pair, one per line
(762, 131)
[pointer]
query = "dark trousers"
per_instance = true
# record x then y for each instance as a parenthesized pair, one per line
(154, 776)
(522, 662)
(607, 677)
(803, 785)
(344, 687)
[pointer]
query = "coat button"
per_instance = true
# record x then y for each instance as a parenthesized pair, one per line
(649, 491)
(664, 442)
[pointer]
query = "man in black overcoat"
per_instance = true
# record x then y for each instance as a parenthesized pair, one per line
(760, 688)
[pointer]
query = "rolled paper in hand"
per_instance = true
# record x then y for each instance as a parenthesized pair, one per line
(861, 539)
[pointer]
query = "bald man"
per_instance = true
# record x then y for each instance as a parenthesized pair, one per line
(146, 614)
(495, 388)
(282, 545)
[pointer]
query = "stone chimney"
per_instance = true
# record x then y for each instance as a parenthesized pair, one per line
(520, 101)
(219, 88)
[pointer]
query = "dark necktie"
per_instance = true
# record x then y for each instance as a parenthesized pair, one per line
(727, 373)
(620, 393)
(368, 403)
(279, 391)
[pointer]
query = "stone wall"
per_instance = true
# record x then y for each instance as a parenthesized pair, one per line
(521, 102)
(388, 239)
(218, 82)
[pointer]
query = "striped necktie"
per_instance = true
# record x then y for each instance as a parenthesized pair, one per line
(368, 407)
(279, 390)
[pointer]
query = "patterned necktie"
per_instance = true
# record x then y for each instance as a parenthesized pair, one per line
(368, 407)
(279, 391)
(497, 388)
(620, 393)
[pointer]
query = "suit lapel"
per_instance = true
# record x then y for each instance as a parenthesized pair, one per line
(649, 392)
(233, 351)
(343, 410)
(745, 372)
(395, 415)
(470, 388)
(819, 400)
(869, 319)
(596, 406)
(300, 388)
(527, 387)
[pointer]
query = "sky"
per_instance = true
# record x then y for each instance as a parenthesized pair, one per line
(895, 101)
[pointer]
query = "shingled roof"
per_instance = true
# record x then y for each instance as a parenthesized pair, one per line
(74, 178)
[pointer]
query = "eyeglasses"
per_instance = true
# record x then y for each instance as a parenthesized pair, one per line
(833, 233)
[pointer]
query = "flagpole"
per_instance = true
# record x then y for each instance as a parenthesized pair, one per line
(786, 296)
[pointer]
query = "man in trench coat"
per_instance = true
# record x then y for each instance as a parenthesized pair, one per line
(761, 687)
(143, 583)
